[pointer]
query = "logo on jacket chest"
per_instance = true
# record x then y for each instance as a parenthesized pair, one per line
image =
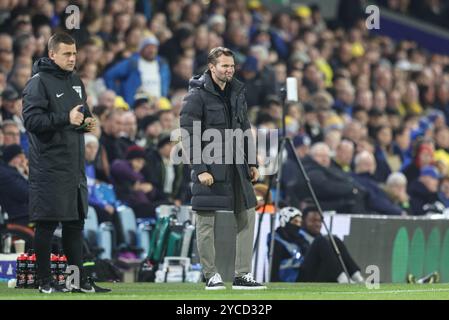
(78, 90)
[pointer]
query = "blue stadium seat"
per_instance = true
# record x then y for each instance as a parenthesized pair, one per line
(136, 237)
(99, 237)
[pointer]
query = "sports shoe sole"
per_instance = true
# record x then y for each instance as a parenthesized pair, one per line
(249, 288)
(216, 288)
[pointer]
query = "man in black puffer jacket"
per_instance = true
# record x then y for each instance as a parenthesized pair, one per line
(216, 101)
(56, 116)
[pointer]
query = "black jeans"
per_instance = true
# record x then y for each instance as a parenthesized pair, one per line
(321, 263)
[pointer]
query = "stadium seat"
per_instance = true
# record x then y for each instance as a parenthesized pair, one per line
(135, 237)
(99, 237)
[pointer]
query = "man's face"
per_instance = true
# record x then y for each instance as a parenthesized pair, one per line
(149, 52)
(322, 157)
(12, 135)
(224, 69)
(130, 125)
(64, 56)
(312, 223)
(345, 152)
(167, 120)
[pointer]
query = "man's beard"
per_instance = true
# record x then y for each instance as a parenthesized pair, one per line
(225, 79)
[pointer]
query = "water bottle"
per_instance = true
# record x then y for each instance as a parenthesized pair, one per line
(62, 265)
(31, 271)
(54, 259)
(21, 270)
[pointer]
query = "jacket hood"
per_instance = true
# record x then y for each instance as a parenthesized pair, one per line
(47, 65)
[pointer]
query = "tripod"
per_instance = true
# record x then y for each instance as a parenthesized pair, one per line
(284, 143)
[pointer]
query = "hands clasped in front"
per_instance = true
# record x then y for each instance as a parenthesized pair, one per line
(77, 118)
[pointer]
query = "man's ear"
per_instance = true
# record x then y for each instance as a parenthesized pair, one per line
(51, 54)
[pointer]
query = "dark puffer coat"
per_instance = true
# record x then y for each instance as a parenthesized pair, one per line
(58, 188)
(203, 103)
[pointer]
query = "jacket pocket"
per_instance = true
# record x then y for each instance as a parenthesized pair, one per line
(215, 115)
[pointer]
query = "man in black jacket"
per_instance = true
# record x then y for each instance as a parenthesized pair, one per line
(56, 116)
(216, 100)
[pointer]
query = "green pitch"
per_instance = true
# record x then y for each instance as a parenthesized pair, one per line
(276, 291)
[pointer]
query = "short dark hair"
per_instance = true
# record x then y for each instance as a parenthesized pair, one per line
(58, 38)
(217, 52)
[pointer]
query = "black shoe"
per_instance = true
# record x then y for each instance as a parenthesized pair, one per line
(215, 283)
(89, 286)
(410, 278)
(247, 282)
(52, 287)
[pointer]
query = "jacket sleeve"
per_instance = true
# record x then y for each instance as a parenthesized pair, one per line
(36, 115)
(118, 71)
(325, 188)
(192, 111)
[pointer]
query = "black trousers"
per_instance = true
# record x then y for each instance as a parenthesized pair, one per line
(72, 244)
(321, 263)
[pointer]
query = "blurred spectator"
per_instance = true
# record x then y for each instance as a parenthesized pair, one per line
(334, 189)
(130, 185)
(11, 133)
(377, 200)
(387, 162)
(104, 209)
(402, 145)
(144, 71)
(179, 45)
(152, 129)
(396, 189)
(423, 155)
(182, 72)
(343, 155)
(10, 104)
(443, 194)
(166, 177)
(14, 184)
(128, 134)
(424, 192)
(167, 120)
(19, 77)
(110, 136)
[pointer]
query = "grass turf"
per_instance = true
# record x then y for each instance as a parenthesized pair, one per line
(276, 291)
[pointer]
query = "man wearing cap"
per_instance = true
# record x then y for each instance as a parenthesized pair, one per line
(216, 100)
(424, 192)
(143, 72)
(14, 184)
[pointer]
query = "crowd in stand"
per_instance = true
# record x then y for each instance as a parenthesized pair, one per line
(371, 124)
(432, 11)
